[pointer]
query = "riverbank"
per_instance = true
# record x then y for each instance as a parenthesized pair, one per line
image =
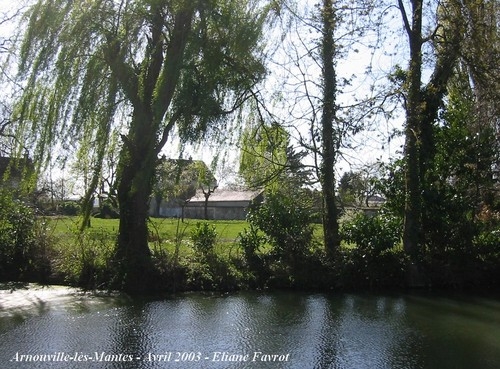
(183, 260)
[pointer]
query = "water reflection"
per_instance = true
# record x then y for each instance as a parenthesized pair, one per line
(241, 330)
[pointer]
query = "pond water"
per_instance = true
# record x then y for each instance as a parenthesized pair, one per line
(62, 328)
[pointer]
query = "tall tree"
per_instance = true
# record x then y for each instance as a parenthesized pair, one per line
(178, 180)
(422, 103)
(152, 64)
(319, 115)
(330, 140)
(206, 183)
(7, 137)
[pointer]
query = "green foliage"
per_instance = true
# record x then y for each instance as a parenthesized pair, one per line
(107, 210)
(286, 223)
(355, 188)
(355, 269)
(204, 237)
(460, 188)
(147, 66)
(180, 178)
(87, 262)
(268, 160)
(24, 245)
(458, 191)
(351, 189)
(374, 258)
(70, 208)
(372, 234)
(487, 255)
(223, 55)
(210, 270)
(392, 186)
(218, 273)
(251, 241)
(263, 155)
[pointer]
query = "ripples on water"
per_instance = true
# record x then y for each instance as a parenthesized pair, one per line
(314, 330)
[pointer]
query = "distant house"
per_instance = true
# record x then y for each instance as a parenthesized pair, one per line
(223, 204)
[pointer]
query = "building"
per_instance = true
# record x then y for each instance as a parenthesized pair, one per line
(223, 204)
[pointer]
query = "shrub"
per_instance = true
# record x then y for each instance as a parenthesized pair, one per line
(375, 260)
(70, 208)
(204, 237)
(355, 269)
(86, 260)
(287, 225)
(108, 210)
(251, 241)
(23, 241)
(372, 234)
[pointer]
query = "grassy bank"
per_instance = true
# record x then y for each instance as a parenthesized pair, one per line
(215, 259)
(83, 259)
(197, 255)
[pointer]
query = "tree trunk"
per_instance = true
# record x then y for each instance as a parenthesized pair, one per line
(207, 195)
(412, 233)
(422, 109)
(330, 212)
(133, 256)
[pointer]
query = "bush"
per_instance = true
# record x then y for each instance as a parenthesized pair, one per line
(108, 210)
(251, 240)
(375, 260)
(23, 242)
(372, 234)
(357, 270)
(287, 225)
(488, 249)
(70, 208)
(204, 237)
(86, 260)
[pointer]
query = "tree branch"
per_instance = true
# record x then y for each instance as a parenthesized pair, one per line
(172, 63)
(405, 17)
(124, 74)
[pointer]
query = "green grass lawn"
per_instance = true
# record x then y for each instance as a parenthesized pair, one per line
(165, 234)
(162, 228)
(84, 258)
(73, 251)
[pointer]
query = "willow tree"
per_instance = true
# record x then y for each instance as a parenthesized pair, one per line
(150, 65)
